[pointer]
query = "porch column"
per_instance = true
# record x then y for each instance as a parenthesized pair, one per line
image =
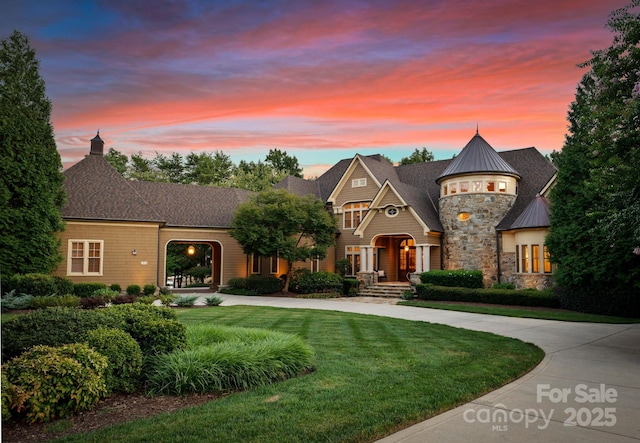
(419, 249)
(426, 264)
(369, 259)
(363, 259)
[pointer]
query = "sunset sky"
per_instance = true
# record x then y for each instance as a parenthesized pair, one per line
(322, 80)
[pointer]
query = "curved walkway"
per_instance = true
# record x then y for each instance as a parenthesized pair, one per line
(587, 388)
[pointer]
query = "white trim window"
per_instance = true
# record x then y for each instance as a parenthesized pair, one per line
(314, 264)
(353, 213)
(359, 182)
(273, 264)
(85, 257)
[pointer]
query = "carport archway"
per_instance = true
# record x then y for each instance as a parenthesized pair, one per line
(184, 255)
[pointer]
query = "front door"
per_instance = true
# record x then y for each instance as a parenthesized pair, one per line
(406, 259)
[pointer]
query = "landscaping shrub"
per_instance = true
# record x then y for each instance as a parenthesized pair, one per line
(342, 267)
(254, 285)
(348, 284)
(149, 289)
(133, 290)
(155, 328)
(123, 299)
(221, 359)
(408, 295)
(146, 299)
(50, 326)
(92, 302)
(124, 355)
(185, 301)
(167, 299)
(214, 300)
(106, 294)
(596, 302)
(57, 381)
(460, 278)
(38, 284)
(12, 301)
(503, 286)
(306, 282)
(47, 301)
(88, 289)
(116, 287)
(7, 393)
(524, 297)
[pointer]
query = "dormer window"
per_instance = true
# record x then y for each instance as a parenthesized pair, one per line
(359, 182)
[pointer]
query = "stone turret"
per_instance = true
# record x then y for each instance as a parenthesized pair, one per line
(477, 190)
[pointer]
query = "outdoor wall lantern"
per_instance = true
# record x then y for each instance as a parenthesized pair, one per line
(134, 252)
(191, 250)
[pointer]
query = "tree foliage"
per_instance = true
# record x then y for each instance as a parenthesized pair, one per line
(278, 223)
(31, 180)
(595, 233)
(418, 156)
(207, 168)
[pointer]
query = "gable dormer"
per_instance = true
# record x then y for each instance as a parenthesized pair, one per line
(357, 184)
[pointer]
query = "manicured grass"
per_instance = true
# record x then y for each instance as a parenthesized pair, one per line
(372, 376)
(522, 312)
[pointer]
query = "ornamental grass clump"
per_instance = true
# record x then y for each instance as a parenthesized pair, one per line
(222, 359)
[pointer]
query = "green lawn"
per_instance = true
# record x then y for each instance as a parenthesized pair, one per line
(372, 376)
(523, 312)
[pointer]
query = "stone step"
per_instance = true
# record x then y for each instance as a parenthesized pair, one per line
(386, 290)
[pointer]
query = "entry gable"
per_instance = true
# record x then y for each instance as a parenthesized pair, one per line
(357, 183)
(389, 196)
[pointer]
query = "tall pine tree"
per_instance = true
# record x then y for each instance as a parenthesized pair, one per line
(595, 219)
(31, 180)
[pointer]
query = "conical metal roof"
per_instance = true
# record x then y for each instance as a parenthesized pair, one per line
(535, 215)
(478, 157)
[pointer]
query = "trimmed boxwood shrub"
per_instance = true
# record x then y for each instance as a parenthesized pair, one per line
(460, 278)
(149, 289)
(51, 326)
(255, 285)
(523, 297)
(307, 282)
(155, 328)
(348, 284)
(116, 287)
(124, 354)
(38, 284)
(87, 289)
(57, 381)
(133, 290)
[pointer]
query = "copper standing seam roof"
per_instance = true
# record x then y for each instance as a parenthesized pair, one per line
(478, 157)
(535, 215)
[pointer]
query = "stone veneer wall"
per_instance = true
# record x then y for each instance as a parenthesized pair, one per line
(471, 244)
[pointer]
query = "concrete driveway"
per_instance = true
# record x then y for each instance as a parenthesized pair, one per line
(586, 389)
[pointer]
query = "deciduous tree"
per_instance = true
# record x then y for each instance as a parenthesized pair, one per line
(278, 223)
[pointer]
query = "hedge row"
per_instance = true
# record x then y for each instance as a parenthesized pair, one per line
(256, 284)
(306, 282)
(460, 278)
(524, 297)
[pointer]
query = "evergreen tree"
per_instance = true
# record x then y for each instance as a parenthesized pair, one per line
(31, 180)
(418, 156)
(595, 233)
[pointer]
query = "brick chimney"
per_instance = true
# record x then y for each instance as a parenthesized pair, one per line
(97, 145)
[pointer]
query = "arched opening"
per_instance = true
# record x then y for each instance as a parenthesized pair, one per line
(192, 264)
(396, 256)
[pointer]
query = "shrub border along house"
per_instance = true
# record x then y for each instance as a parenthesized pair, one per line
(523, 297)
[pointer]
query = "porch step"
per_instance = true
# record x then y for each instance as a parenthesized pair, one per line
(389, 290)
